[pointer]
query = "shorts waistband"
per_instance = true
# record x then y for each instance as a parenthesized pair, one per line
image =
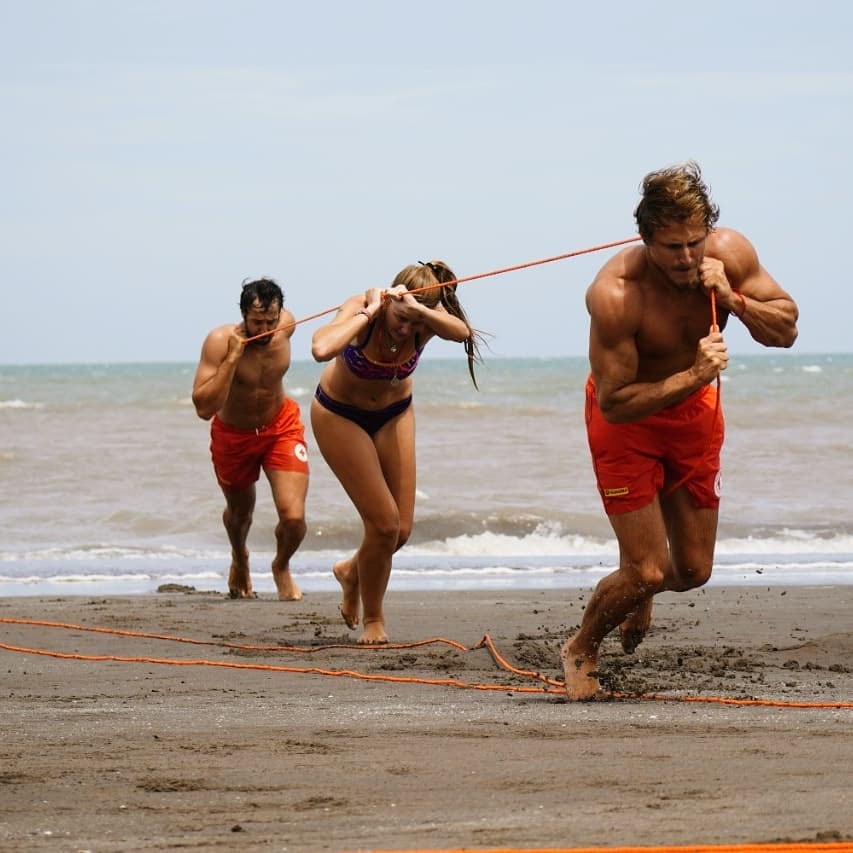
(287, 406)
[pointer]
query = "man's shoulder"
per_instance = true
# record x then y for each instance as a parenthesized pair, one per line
(735, 251)
(724, 242)
(624, 269)
(216, 342)
(617, 293)
(221, 332)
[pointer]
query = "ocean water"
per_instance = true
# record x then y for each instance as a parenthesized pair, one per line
(107, 486)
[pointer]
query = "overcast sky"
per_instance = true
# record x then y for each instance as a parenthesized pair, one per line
(155, 154)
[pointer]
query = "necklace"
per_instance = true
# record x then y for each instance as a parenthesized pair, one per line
(385, 341)
(394, 347)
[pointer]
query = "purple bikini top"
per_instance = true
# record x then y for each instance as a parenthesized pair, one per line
(362, 367)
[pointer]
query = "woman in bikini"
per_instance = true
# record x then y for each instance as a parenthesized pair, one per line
(364, 423)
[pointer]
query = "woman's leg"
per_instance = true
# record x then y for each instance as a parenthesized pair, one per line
(372, 471)
(395, 448)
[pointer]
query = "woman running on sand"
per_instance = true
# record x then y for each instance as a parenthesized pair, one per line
(364, 422)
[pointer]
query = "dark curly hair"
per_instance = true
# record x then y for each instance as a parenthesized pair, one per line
(264, 291)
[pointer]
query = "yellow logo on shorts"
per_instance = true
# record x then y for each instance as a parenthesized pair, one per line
(619, 492)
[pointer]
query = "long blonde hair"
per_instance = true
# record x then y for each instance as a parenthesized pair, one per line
(434, 282)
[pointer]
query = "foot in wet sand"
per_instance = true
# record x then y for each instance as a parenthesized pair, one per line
(345, 576)
(374, 633)
(284, 583)
(633, 630)
(239, 581)
(580, 673)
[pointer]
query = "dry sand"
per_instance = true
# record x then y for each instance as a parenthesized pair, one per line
(140, 755)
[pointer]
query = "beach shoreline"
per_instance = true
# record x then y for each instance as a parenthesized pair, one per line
(189, 720)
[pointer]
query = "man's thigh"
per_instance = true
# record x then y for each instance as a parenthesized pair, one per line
(692, 534)
(289, 490)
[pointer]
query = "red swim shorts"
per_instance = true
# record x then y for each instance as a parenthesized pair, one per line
(679, 445)
(239, 454)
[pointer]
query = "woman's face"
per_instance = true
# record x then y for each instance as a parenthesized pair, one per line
(402, 320)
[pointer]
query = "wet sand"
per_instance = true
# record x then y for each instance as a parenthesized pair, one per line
(236, 752)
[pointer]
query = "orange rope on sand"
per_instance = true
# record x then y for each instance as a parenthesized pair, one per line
(487, 643)
(223, 643)
(396, 679)
(550, 686)
(780, 847)
(466, 278)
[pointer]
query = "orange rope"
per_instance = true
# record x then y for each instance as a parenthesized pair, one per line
(464, 279)
(530, 264)
(553, 686)
(487, 643)
(692, 471)
(772, 847)
(221, 643)
(264, 667)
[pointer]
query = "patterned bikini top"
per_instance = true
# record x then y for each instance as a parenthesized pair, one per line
(362, 367)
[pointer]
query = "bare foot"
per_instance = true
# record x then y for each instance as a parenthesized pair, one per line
(284, 583)
(580, 672)
(374, 633)
(239, 582)
(348, 580)
(633, 630)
